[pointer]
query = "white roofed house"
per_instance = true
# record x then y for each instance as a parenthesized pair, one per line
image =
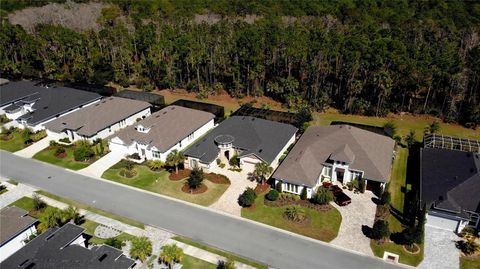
(171, 128)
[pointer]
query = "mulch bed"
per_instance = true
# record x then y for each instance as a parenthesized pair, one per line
(217, 179)
(304, 203)
(261, 188)
(61, 155)
(186, 189)
(182, 174)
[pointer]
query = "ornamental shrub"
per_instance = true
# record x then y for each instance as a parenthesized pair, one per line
(272, 195)
(247, 198)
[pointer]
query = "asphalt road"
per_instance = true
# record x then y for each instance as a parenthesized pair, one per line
(244, 238)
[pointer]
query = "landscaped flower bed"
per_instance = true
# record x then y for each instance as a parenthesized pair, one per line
(217, 178)
(182, 174)
(304, 203)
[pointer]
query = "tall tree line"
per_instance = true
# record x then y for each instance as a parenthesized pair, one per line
(362, 57)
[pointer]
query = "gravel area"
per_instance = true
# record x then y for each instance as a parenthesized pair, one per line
(106, 232)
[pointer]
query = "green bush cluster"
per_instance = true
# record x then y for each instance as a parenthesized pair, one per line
(272, 195)
(247, 198)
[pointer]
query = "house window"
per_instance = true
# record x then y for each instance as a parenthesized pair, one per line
(296, 188)
(328, 171)
(156, 154)
(180, 144)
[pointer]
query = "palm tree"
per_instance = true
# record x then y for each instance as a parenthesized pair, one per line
(410, 138)
(175, 158)
(51, 217)
(171, 254)
(141, 248)
(263, 170)
(71, 213)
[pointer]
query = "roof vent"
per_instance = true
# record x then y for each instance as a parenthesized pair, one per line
(49, 237)
(30, 266)
(164, 112)
(64, 123)
(260, 150)
(172, 108)
(45, 107)
(97, 104)
(102, 257)
(157, 116)
(24, 262)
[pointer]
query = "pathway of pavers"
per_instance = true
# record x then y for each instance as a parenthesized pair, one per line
(360, 212)
(157, 236)
(33, 149)
(440, 250)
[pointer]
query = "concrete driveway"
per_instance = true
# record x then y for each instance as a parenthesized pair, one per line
(440, 250)
(97, 168)
(360, 212)
(33, 149)
(239, 182)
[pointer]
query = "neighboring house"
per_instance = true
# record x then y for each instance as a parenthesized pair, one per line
(153, 138)
(15, 227)
(65, 247)
(99, 120)
(253, 140)
(32, 106)
(450, 188)
(336, 153)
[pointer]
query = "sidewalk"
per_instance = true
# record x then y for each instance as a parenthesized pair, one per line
(157, 236)
(33, 149)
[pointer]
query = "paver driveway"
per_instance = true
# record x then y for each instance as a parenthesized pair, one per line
(360, 212)
(440, 250)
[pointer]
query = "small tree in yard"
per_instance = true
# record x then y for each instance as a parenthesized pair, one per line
(468, 247)
(247, 198)
(434, 127)
(155, 165)
(380, 230)
(38, 203)
(322, 196)
(262, 171)
(50, 218)
(195, 179)
(141, 248)
(410, 138)
(234, 162)
(303, 194)
(71, 213)
(171, 254)
(114, 242)
(295, 213)
(175, 158)
(83, 153)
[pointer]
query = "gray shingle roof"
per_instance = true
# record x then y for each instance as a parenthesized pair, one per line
(451, 179)
(49, 103)
(168, 126)
(263, 138)
(89, 120)
(50, 250)
(364, 150)
(13, 220)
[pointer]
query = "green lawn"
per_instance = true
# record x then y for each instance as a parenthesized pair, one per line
(48, 155)
(14, 144)
(25, 203)
(322, 226)
(158, 182)
(470, 262)
(405, 257)
(404, 124)
(13, 182)
(93, 210)
(190, 262)
(220, 252)
(3, 191)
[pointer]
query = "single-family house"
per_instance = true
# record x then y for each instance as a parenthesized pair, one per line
(252, 140)
(171, 128)
(65, 247)
(16, 226)
(99, 120)
(336, 153)
(31, 106)
(450, 187)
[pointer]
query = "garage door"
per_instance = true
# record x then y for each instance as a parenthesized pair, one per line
(442, 223)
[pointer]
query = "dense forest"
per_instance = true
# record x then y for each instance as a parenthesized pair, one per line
(362, 57)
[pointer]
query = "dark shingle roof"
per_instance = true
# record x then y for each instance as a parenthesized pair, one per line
(363, 150)
(450, 179)
(49, 102)
(13, 220)
(52, 249)
(263, 138)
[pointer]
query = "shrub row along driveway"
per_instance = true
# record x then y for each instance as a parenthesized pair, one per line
(360, 212)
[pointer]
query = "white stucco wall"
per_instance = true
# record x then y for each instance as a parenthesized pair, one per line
(115, 144)
(276, 161)
(16, 243)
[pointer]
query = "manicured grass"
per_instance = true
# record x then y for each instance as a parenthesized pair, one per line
(405, 257)
(190, 262)
(470, 262)
(92, 209)
(14, 144)
(25, 203)
(158, 182)
(48, 155)
(3, 191)
(220, 252)
(13, 182)
(404, 124)
(322, 225)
